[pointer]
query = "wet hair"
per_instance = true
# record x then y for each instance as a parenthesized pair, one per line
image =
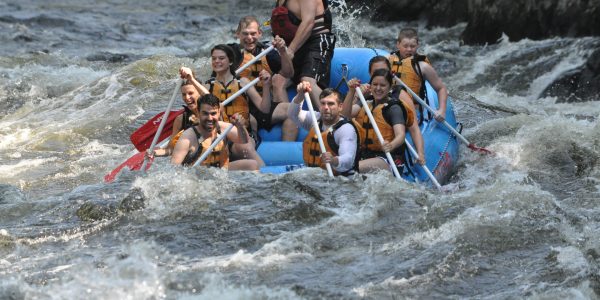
(245, 22)
(379, 58)
(209, 99)
(186, 82)
(329, 91)
(230, 55)
(385, 73)
(408, 33)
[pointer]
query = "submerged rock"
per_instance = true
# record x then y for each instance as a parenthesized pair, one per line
(134, 201)
(579, 85)
(95, 211)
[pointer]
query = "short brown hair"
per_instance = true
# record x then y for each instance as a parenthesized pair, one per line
(329, 91)
(245, 21)
(408, 33)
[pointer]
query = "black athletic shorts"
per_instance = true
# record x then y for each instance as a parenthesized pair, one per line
(263, 120)
(313, 59)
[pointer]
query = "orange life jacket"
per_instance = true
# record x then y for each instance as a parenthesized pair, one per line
(219, 157)
(239, 105)
(254, 70)
(409, 72)
(370, 142)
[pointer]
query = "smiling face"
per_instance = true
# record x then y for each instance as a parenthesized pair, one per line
(219, 61)
(249, 36)
(380, 87)
(208, 116)
(190, 95)
(407, 47)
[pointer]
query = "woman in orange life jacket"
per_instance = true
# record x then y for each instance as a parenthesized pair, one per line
(397, 92)
(223, 85)
(190, 95)
(414, 69)
(197, 139)
(392, 118)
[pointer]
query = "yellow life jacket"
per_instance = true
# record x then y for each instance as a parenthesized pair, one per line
(239, 105)
(311, 151)
(409, 72)
(367, 133)
(254, 70)
(219, 157)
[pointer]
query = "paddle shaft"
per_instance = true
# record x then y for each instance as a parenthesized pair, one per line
(317, 130)
(213, 145)
(376, 129)
(430, 109)
(429, 174)
(241, 91)
(255, 59)
(164, 120)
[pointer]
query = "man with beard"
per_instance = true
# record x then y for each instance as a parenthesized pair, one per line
(195, 140)
(339, 134)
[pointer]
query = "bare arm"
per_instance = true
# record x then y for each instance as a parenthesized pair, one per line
(349, 109)
(186, 73)
(238, 133)
(399, 135)
(308, 12)
(442, 92)
(262, 102)
(415, 131)
(287, 67)
(169, 148)
(182, 147)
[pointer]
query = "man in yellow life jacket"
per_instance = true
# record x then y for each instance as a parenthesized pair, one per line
(339, 134)
(413, 69)
(277, 63)
(195, 140)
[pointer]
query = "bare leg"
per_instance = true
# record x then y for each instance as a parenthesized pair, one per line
(314, 94)
(243, 165)
(246, 151)
(289, 130)
(280, 84)
(372, 164)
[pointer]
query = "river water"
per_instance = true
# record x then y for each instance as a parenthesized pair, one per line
(77, 77)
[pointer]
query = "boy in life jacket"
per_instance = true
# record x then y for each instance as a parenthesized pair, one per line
(413, 69)
(340, 135)
(197, 139)
(190, 95)
(306, 27)
(392, 117)
(277, 63)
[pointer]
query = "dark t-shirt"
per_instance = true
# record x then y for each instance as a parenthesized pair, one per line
(393, 115)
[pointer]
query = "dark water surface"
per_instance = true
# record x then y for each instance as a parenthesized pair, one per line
(77, 77)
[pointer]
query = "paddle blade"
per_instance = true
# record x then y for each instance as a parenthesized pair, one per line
(134, 163)
(142, 138)
(480, 149)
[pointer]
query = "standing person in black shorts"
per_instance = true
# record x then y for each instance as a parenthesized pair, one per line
(306, 27)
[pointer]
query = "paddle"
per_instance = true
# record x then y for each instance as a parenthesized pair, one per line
(377, 132)
(317, 130)
(134, 163)
(213, 145)
(142, 138)
(429, 174)
(456, 133)
(255, 59)
(164, 119)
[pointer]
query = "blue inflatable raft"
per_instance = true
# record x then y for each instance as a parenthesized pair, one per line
(441, 147)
